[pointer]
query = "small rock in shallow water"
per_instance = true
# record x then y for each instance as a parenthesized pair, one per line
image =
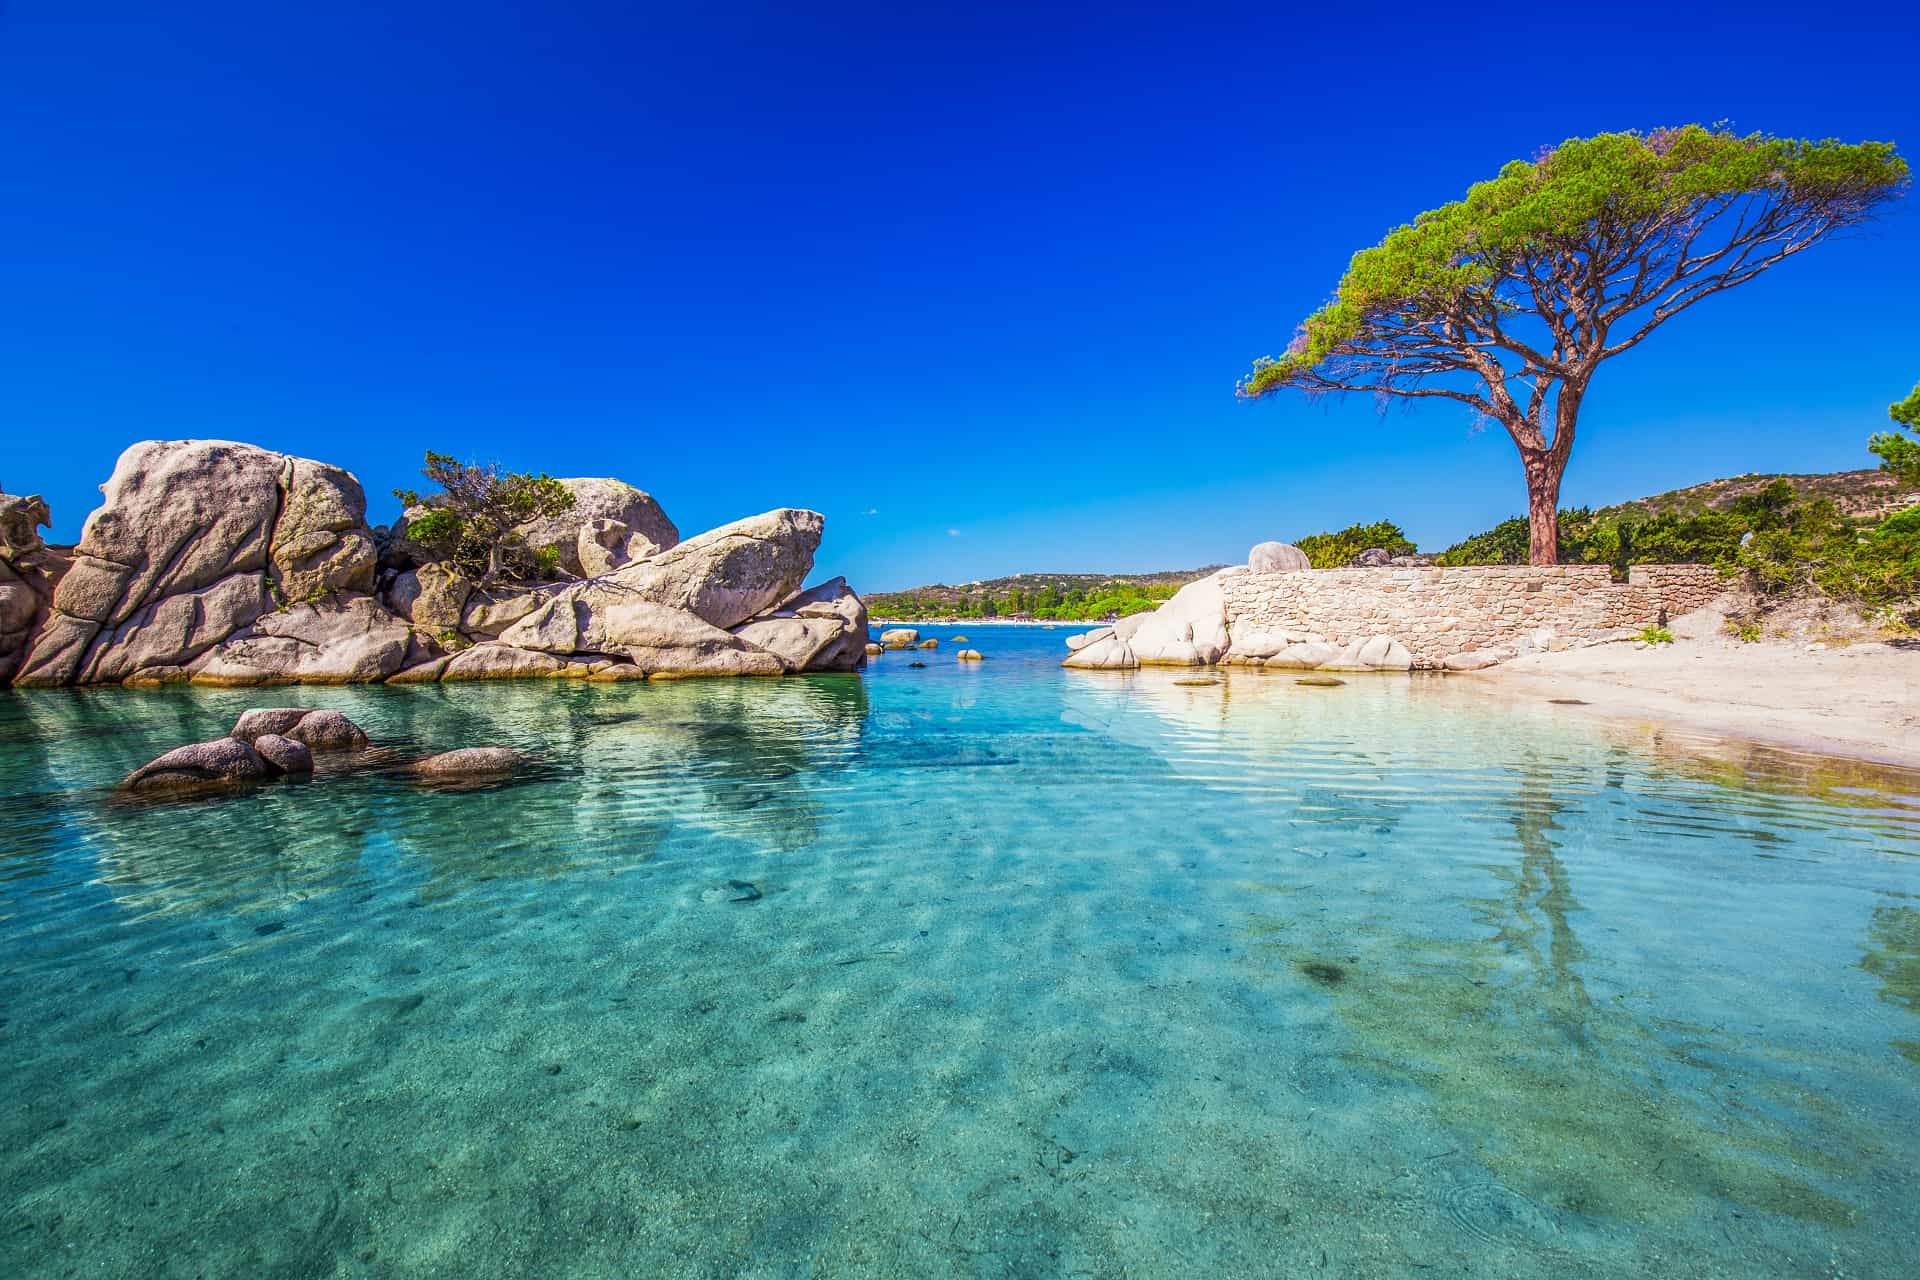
(744, 891)
(1197, 682)
(1319, 682)
(969, 655)
(469, 762)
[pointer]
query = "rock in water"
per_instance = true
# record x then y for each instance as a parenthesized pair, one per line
(283, 755)
(1189, 630)
(470, 762)
(900, 635)
(200, 764)
(328, 731)
(255, 721)
(1277, 557)
(969, 655)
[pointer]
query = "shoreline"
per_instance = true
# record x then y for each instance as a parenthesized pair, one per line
(1858, 701)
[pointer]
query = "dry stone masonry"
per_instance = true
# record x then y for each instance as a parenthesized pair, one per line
(1437, 612)
(1276, 612)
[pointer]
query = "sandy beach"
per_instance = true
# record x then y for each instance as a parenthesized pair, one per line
(1860, 700)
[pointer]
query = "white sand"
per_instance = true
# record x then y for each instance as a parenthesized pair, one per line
(1860, 700)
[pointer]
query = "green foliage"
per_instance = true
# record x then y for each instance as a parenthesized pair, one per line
(1046, 602)
(1659, 187)
(1745, 632)
(1505, 543)
(471, 522)
(1335, 550)
(1655, 635)
(1900, 453)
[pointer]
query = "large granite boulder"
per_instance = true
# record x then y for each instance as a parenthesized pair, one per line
(432, 597)
(1189, 630)
(350, 641)
(1110, 652)
(654, 637)
(610, 524)
(194, 541)
(1277, 557)
(29, 571)
(500, 662)
(321, 543)
(731, 574)
(823, 629)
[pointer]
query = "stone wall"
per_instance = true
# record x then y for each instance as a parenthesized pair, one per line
(1437, 612)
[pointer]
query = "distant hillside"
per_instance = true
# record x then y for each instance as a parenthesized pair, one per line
(1859, 495)
(1048, 596)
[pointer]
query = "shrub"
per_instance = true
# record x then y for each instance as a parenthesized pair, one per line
(471, 522)
(1334, 550)
(1655, 635)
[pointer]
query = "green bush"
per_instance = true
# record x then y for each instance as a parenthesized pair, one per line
(1335, 550)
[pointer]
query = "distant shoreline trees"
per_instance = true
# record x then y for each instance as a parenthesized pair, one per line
(1509, 300)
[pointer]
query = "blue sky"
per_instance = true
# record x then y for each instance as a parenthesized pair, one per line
(975, 281)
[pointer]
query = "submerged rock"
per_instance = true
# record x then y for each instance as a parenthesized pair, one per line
(470, 762)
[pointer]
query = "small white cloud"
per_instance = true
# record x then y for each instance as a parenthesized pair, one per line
(953, 533)
(871, 511)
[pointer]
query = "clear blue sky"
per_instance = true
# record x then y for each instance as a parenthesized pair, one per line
(975, 281)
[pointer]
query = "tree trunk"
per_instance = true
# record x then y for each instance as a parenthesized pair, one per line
(1543, 505)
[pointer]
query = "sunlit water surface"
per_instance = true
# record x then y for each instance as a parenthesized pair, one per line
(957, 971)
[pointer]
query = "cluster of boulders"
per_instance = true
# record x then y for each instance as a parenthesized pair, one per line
(215, 563)
(279, 742)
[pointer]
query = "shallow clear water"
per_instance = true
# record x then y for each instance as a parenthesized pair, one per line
(957, 971)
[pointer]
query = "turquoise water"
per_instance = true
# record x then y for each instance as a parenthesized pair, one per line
(954, 971)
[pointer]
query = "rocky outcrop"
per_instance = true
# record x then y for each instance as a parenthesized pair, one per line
(29, 571)
(195, 541)
(352, 641)
(227, 565)
(610, 524)
(824, 629)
